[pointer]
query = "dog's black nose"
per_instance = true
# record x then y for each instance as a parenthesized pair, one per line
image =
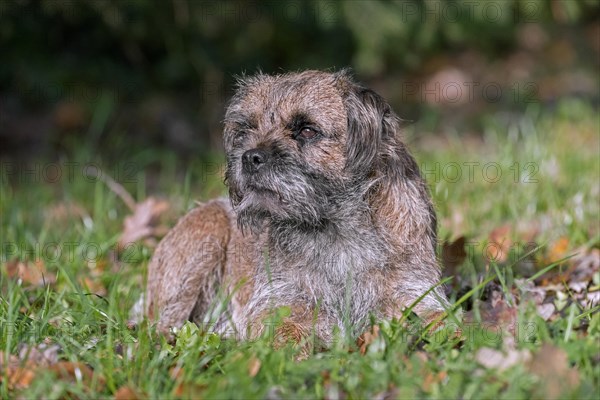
(253, 159)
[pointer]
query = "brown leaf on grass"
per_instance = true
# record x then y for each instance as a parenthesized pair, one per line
(42, 358)
(128, 393)
(537, 295)
(19, 375)
(40, 355)
(20, 371)
(528, 230)
(453, 255)
(558, 250)
(579, 271)
(501, 314)
(332, 390)
(7, 361)
(422, 356)
(418, 364)
(326, 376)
(93, 285)
(496, 359)
(143, 223)
(176, 372)
(392, 392)
(28, 273)
(65, 212)
(499, 244)
(433, 378)
(551, 365)
(70, 115)
(545, 311)
(75, 372)
(587, 263)
(496, 315)
(98, 265)
(530, 292)
(253, 366)
(364, 341)
(455, 222)
(188, 390)
(591, 299)
(72, 371)
(578, 287)
(182, 388)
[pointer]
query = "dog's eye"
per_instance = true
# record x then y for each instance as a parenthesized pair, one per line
(307, 133)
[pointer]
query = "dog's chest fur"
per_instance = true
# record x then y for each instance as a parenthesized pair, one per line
(334, 271)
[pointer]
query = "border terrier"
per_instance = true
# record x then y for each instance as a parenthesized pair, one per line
(328, 216)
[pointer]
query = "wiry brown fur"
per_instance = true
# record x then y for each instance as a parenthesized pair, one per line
(337, 228)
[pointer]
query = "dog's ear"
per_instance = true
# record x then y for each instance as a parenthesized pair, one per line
(371, 123)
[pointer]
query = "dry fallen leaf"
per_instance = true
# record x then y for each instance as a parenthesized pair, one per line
(69, 115)
(422, 356)
(176, 372)
(188, 390)
(65, 212)
(93, 286)
(499, 244)
(528, 230)
(42, 358)
(576, 278)
(551, 365)
(545, 311)
(578, 287)
(496, 315)
(19, 375)
(74, 371)
(530, 292)
(453, 255)
(182, 388)
(431, 379)
(496, 359)
(392, 392)
(41, 355)
(591, 299)
(364, 341)
(127, 393)
(587, 263)
(558, 250)
(253, 366)
(455, 222)
(10, 361)
(97, 266)
(34, 274)
(142, 223)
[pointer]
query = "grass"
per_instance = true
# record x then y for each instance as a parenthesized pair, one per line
(548, 190)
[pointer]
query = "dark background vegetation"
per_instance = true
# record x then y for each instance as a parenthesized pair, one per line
(123, 75)
(110, 129)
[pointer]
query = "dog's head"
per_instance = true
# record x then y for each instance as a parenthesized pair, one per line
(300, 145)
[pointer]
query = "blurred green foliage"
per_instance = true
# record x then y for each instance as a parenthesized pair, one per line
(136, 45)
(123, 74)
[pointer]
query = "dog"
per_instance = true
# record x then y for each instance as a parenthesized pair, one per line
(328, 219)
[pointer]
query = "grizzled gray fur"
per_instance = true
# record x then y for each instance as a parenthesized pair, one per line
(328, 216)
